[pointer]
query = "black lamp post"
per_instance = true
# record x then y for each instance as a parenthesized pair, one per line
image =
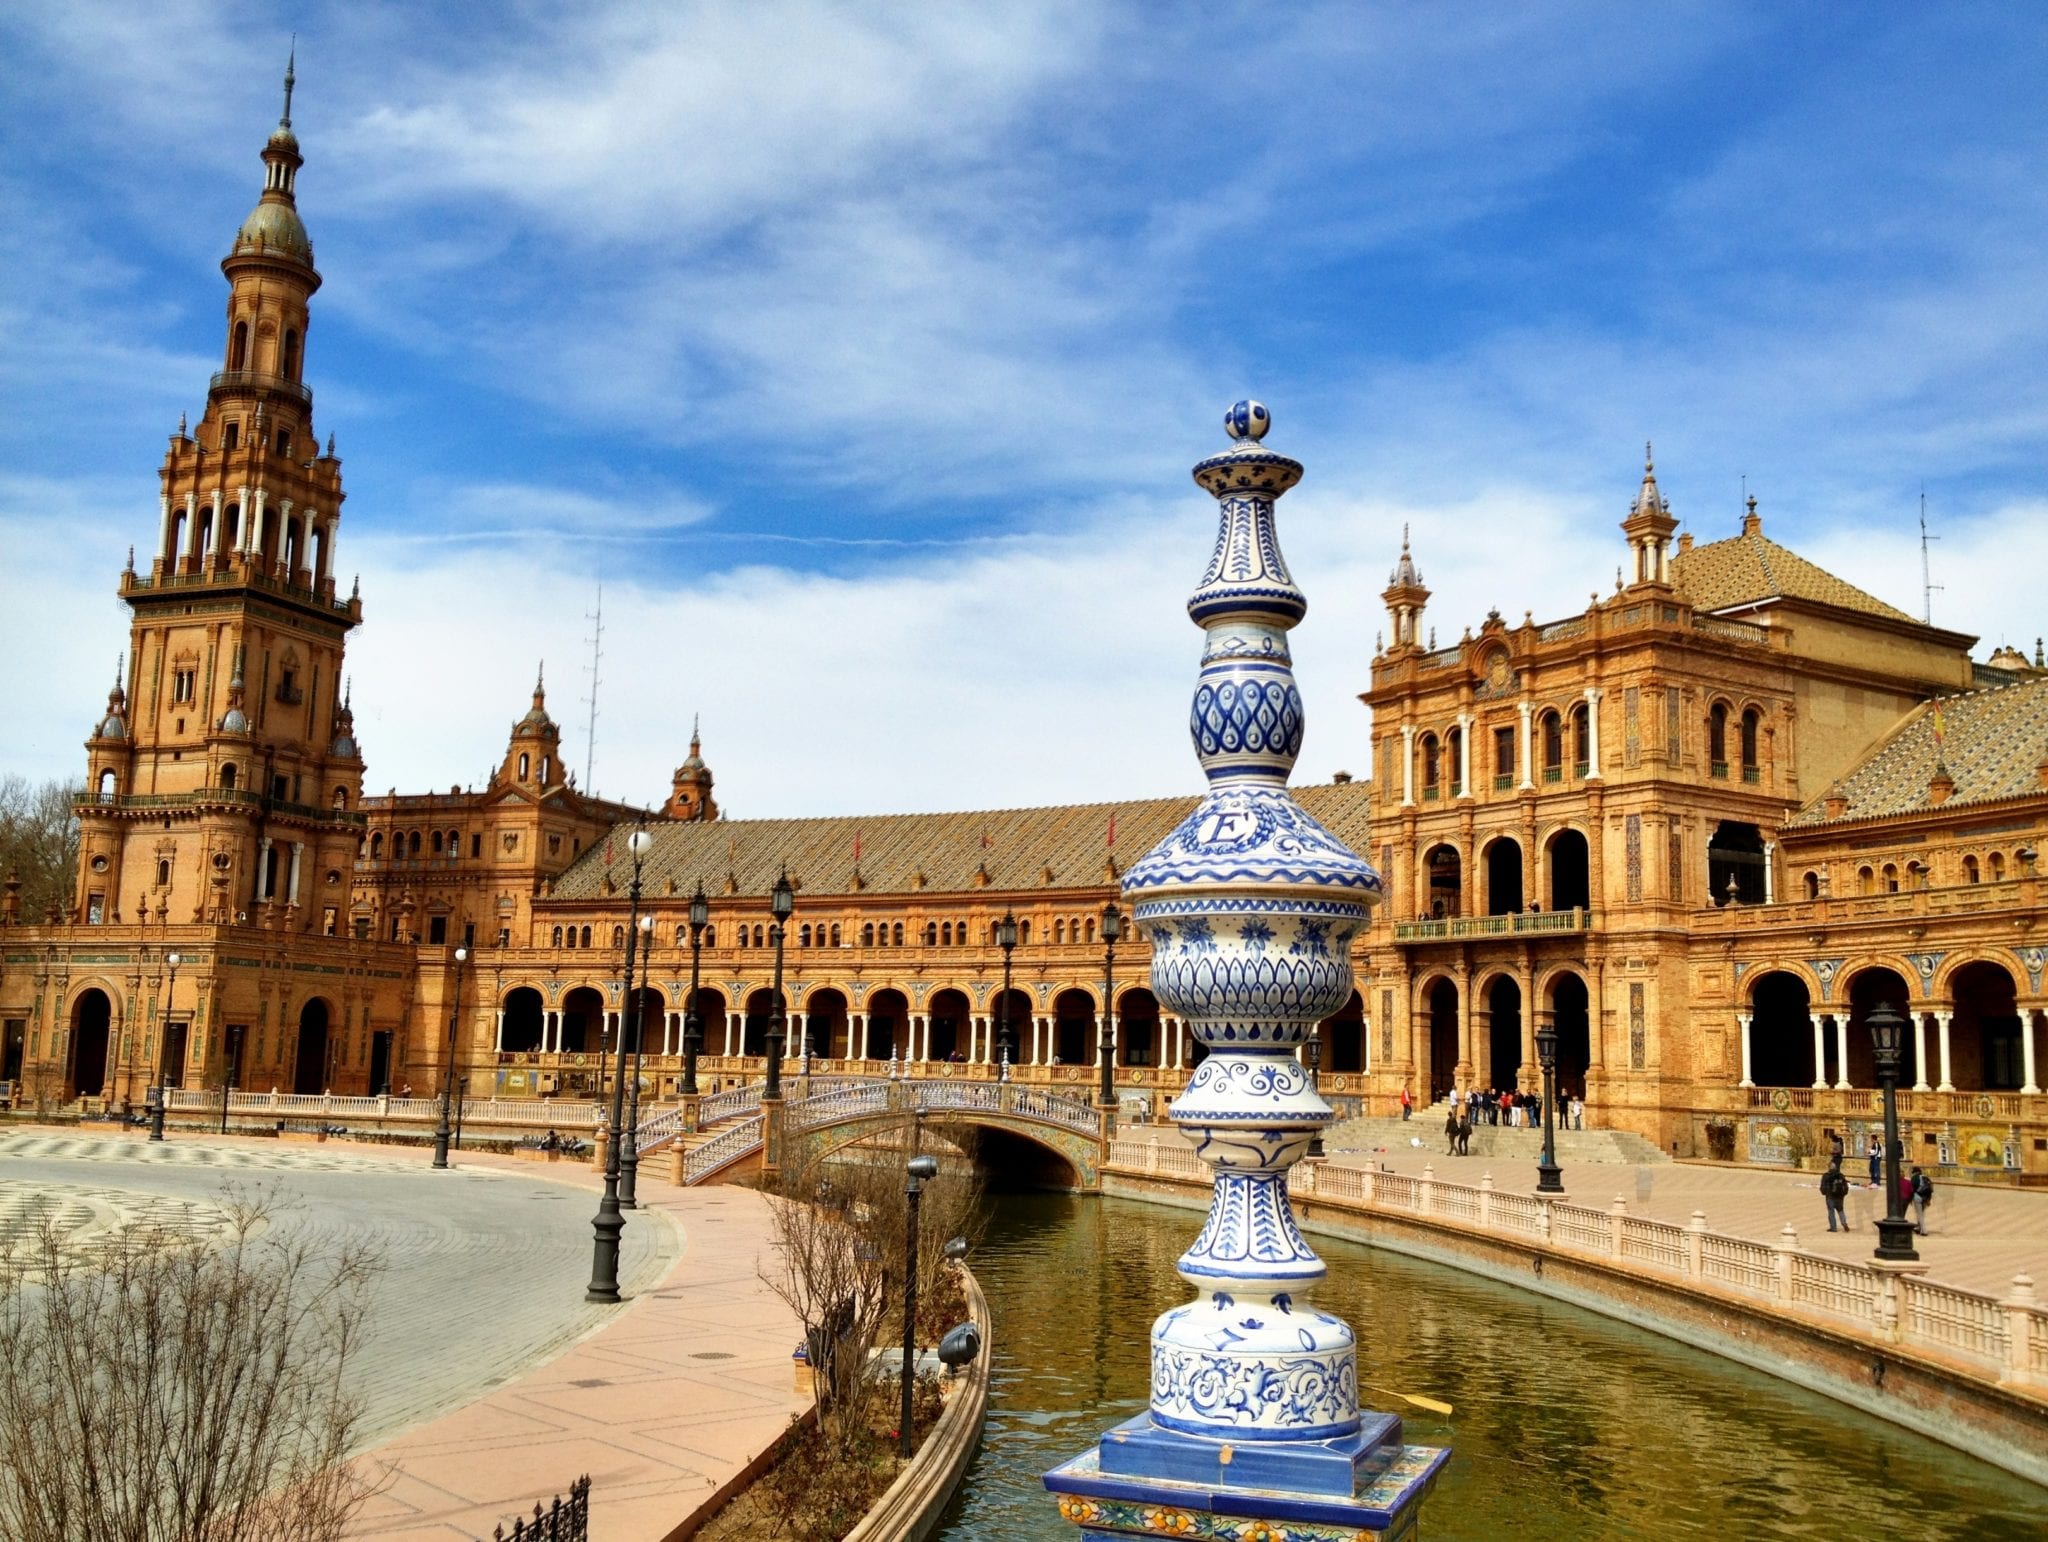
(448, 1065)
(609, 1221)
(780, 903)
(1006, 939)
(1549, 1176)
(635, 1018)
(156, 1093)
(227, 1075)
(693, 1025)
(1887, 1040)
(920, 1169)
(1313, 1051)
(461, 1097)
(1105, 1049)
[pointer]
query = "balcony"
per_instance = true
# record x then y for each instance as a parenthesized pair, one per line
(1525, 923)
(257, 380)
(217, 797)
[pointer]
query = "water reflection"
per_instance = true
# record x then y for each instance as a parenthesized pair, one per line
(1568, 1425)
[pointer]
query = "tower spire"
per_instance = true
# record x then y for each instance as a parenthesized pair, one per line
(290, 80)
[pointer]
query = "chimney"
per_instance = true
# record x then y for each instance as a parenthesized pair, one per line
(1343, 778)
(1836, 803)
(1941, 787)
(1685, 543)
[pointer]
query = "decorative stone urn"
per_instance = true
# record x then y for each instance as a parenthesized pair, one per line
(1250, 907)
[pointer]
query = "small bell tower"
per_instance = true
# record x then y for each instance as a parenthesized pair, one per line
(1405, 597)
(1649, 528)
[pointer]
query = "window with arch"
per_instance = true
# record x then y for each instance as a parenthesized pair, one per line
(760, 936)
(341, 797)
(1059, 933)
(1812, 882)
(290, 361)
(1717, 740)
(711, 935)
(1997, 867)
(803, 935)
(1553, 747)
(228, 775)
(682, 935)
(1023, 931)
(454, 843)
(618, 936)
(570, 940)
(1866, 881)
(931, 934)
(109, 784)
(1971, 873)
(415, 843)
(163, 872)
(946, 934)
(1582, 739)
(1089, 926)
(558, 936)
(835, 934)
(1503, 759)
(1891, 878)
(238, 349)
(1752, 722)
(437, 843)
(896, 934)
(867, 934)
(1454, 752)
(1432, 767)
(377, 846)
(522, 767)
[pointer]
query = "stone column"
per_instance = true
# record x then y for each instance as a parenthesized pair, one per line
(1528, 759)
(1941, 1022)
(263, 868)
(1920, 1053)
(1820, 1054)
(857, 1036)
(1593, 695)
(252, 516)
(2028, 1082)
(164, 553)
(1742, 1022)
(1407, 765)
(1770, 872)
(1464, 754)
(1842, 1052)
(1467, 1066)
(501, 1031)
(306, 547)
(292, 890)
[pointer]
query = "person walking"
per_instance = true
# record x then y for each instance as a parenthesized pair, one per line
(1834, 1188)
(1923, 1191)
(1876, 1162)
(1407, 1104)
(1451, 1131)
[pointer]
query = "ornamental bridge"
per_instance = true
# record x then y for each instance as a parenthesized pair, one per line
(1010, 1127)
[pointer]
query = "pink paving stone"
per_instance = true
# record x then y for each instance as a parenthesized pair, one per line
(666, 1431)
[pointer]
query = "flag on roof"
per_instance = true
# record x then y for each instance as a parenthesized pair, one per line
(1937, 727)
(607, 851)
(856, 848)
(1112, 829)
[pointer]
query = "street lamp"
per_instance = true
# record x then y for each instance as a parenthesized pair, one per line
(921, 1169)
(693, 1025)
(1549, 1177)
(1105, 1050)
(609, 1222)
(1006, 939)
(629, 1133)
(780, 903)
(1887, 1039)
(156, 1093)
(448, 1065)
(1312, 1050)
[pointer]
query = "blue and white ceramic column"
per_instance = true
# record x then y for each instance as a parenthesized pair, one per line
(1254, 1433)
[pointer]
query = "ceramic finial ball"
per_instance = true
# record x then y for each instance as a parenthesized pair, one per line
(1248, 420)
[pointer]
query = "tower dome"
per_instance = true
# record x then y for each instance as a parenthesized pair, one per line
(273, 228)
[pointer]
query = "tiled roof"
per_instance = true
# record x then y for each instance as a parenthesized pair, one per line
(1747, 567)
(1991, 743)
(1017, 847)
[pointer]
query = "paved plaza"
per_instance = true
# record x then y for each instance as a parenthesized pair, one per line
(490, 1382)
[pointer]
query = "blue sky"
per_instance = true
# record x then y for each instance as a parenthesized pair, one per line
(862, 351)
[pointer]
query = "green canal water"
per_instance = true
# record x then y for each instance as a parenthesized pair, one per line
(1567, 1425)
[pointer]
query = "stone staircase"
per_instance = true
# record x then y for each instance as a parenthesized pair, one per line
(1587, 1145)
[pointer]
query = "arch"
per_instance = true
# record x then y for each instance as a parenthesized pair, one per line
(1866, 986)
(110, 786)
(238, 347)
(1984, 1035)
(760, 1007)
(1454, 752)
(947, 1028)
(1444, 870)
(713, 1022)
(1010, 1012)
(618, 936)
(1432, 766)
(1572, 1017)
(1735, 864)
(1717, 739)
(437, 842)
(1781, 1030)
(1073, 1027)
(867, 934)
(414, 843)
(583, 938)
(582, 1025)
(1971, 872)
(230, 772)
(1569, 864)
(1502, 859)
(1752, 721)
(289, 354)
(1137, 1025)
(888, 1024)
(825, 1022)
(525, 1027)
(1059, 932)
(1997, 864)
(1503, 997)
(92, 1028)
(647, 1020)
(524, 763)
(896, 935)
(310, 1053)
(1343, 1037)
(1551, 731)
(1811, 884)
(1582, 739)
(1440, 1010)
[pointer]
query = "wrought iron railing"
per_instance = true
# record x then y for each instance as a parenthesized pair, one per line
(566, 1520)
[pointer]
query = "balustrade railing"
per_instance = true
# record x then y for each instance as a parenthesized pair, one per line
(299, 1105)
(2007, 1338)
(723, 1149)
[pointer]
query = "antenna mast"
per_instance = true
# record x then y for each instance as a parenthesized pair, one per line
(1927, 584)
(596, 620)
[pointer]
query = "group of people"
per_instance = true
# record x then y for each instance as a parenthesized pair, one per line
(1916, 1188)
(1517, 1110)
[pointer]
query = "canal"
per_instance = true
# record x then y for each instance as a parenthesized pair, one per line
(1567, 1424)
